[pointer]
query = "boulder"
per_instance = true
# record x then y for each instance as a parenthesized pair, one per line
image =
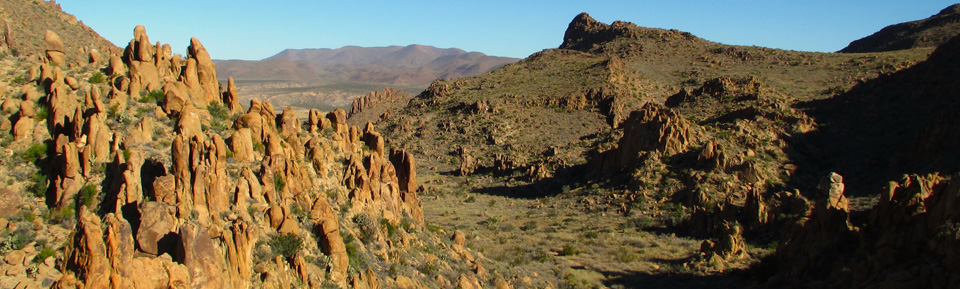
(158, 227)
(241, 143)
(55, 51)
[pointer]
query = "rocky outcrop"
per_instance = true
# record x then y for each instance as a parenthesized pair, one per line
(652, 128)
(206, 72)
(719, 90)
(376, 98)
(231, 98)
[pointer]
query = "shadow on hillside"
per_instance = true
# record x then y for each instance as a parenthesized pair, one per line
(637, 279)
(563, 180)
(900, 123)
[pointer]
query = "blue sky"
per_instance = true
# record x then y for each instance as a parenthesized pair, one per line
(258, 29)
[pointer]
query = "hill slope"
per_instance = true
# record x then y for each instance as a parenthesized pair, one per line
(24, 22)
(929, 32)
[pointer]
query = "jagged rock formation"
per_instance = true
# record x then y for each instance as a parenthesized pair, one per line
(929, 32)
(168, 194)
(377, 105)
(651, 129)
(908, 240)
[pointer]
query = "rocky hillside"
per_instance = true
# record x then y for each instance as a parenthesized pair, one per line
(24, 25)
(929, 32)
(726, 145)
(144, 172)
(556, 106)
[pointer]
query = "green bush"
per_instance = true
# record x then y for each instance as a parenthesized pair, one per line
(429, 268)
(218, 111)
(42, 112)
(44, 254)
(97, 78)
(569, 250)
(88, 194)
(155, 95)
(38, 185)
(278, 182)
(388, 227)
(35, 153)
(285, 245)
(57, 216)
(18, 81)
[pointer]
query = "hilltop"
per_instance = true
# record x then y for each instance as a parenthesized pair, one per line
(929, 32)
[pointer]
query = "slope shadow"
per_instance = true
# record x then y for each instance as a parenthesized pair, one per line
(895, 124)
(638, 279)
(552, 186)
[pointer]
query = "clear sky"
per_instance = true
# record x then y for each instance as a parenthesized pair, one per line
(255, 30)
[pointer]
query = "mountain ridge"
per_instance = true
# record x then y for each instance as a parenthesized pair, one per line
(396, 65)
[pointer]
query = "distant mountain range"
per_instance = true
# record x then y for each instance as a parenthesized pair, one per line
(393, 65)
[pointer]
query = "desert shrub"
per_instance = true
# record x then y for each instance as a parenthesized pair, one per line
(97, 78)
(285, 245)
(529, 226)
(45, 252)
(88, 194)
(627, 257)
(35, 153)
(37, 186)
(258, 147)
(368, 231)
(59, 215)
(569, 250)
(42, 112)
(113, 110)
(470, 199)
(388, 227)
(676, 215)
(17, 239)
(541, 256)
(218, 111)
(638, 223)
(155, 95)
(429, 268)
(18, 81)
(299, 212)
(278, 182)
(407, 224)
(491, 222)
